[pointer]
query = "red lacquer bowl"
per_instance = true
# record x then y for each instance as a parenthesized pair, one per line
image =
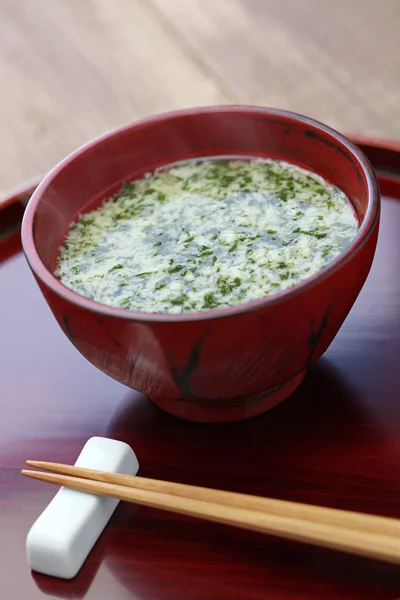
(224, 364)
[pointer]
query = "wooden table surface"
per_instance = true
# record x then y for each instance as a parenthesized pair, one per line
(72, 69)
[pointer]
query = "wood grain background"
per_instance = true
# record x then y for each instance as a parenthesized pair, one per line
(72, 69)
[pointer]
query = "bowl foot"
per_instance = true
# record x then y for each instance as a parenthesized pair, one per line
(233, 409)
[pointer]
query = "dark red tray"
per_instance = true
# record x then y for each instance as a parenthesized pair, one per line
(335, 442)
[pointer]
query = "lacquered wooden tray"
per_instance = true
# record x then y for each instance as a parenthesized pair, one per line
(335, 442)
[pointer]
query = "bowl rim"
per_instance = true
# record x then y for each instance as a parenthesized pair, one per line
(50, 280)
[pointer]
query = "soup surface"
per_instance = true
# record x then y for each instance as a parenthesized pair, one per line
(206, 234)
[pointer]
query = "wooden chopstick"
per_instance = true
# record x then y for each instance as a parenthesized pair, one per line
(318, 514)
(365, 535)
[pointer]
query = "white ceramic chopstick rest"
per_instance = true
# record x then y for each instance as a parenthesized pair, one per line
(62, 537)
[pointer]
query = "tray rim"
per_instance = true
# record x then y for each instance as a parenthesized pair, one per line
(375, 142)
(23, 189)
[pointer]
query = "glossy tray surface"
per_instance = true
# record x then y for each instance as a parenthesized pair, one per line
(335, 442)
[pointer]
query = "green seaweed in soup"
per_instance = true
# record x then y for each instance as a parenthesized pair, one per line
(206, 234)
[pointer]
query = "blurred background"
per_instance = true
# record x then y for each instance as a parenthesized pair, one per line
(72, 69)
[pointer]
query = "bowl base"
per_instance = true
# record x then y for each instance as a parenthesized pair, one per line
(230, 410)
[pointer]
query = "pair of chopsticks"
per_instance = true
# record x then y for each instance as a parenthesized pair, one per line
(351, 532)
